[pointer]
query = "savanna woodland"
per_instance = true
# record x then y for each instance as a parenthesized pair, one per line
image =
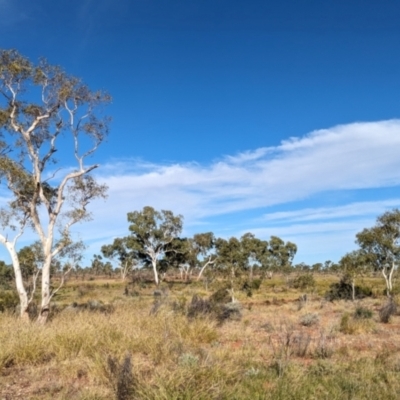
(157, 315)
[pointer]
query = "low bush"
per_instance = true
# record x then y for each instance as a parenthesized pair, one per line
(199, 306)
(343, 290)
(304, 282)
(362, 313)
(250, 285)
(309, 319)
(8, 301)
(387, 311)
(221, 296)
(350, 325)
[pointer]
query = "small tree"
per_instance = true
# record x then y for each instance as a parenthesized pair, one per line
(352, 265)
(42, 109)
(380, 245)
(151, 232)
(281, 255)
(119, 250)
(232, 259)
(254, 250)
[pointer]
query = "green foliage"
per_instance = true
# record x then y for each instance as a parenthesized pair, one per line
(362, 313)
(221, 296)
(342, 290)
(248, 286)
(380, 245)
(6, 275)
(8, 300)
(151, 233)
(346, 325)
(350, 324)
(281, 254)
(304, 282)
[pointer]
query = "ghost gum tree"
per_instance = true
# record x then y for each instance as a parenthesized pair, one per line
(42, 109)
(380, 245)
(151, 232)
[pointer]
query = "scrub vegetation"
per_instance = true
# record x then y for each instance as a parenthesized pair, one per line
(161, 316)
(111, 339)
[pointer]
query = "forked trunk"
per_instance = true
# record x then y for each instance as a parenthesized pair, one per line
(388, 279)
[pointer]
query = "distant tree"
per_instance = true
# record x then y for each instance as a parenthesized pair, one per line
(189, 253)
(178, 254)
(352, 265)
(42, 109)
(232, 259)
(317, 267)
(118, 250)
(151, 232)
(380, 245)
(281, 255)
(200, 251)
(97, 264)
(254, 251)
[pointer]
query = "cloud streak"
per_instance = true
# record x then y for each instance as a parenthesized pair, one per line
(347, 157)
(235, 194)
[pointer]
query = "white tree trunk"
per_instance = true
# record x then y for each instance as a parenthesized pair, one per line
(388, 279)
(204, 267)
(22, 294)
(46, 291)
(154, 263)
(124, 270)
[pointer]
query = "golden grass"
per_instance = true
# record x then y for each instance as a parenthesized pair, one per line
(177, 358)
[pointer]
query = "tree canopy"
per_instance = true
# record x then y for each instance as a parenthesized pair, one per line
(43, 109)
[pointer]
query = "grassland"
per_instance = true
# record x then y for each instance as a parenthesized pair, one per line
(113, 345)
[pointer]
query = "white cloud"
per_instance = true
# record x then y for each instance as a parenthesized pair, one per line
(346, 157)
(347, 211)
(355, 156)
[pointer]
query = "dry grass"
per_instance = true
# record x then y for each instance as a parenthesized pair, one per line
(269, 354)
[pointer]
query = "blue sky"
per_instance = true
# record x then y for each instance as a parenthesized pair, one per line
(278, 118)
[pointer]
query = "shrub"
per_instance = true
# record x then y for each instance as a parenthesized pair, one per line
(362, 313)
(343, 291)
(230, 311)
(345, 324)
(254, 284)
(351, 325)
(199, 306)
(324, 348)
(386, 312)
(221, 296)
(8, 301)
(304, 281)
(309, 319)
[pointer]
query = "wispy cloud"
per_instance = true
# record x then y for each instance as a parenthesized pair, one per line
(354, 156)
(240, 189)
(352, 210)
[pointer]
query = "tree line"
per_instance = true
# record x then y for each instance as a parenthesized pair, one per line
(43, 109)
